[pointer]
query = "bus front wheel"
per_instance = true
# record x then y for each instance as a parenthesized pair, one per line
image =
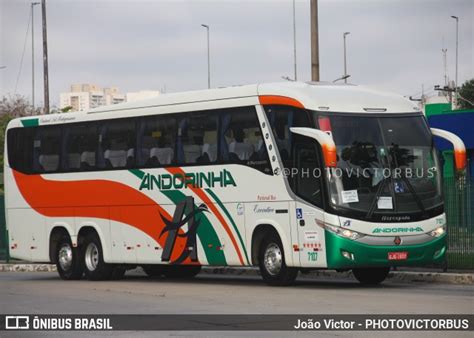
(371, 276)
(94, 266)
(272, 265)
(68, 260)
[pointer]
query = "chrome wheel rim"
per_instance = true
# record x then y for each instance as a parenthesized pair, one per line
(273, 259)
(65, 257)
(92, 257)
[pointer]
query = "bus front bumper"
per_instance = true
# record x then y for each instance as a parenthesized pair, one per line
(343, 253)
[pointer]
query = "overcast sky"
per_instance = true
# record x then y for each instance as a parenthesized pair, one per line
(136, 45)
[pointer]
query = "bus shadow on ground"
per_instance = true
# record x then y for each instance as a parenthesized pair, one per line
(301, 282)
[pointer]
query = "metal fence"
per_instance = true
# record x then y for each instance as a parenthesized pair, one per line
(459, 207)
(3, 230)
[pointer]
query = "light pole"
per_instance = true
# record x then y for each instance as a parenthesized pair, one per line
(456, 81)
(33, 55)
(208, 58)
(345, 58)
(294, 38)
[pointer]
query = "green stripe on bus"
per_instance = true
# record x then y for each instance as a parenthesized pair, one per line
(30, 122)
(206, 233)
(137, 172)
(219, 202)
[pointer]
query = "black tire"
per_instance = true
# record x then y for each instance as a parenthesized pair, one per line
(68, 259)
(181, 271)
(281, 275)
(371, 276)
(154, 270)
(94, 266)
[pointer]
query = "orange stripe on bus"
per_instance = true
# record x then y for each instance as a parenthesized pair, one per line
(97, 199)
(279, 100)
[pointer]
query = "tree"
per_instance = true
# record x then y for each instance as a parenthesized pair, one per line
(17, 106)
(466, 95)
(11, 107)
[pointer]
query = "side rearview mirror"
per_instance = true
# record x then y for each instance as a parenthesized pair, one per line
(327, 143)
(458, 145)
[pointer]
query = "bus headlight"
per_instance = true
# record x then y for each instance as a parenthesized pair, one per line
(346, 233)
(438, 232)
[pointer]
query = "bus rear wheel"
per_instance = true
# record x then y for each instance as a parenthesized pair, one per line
(68, 260)
(94, 266)
(181, 271)
(371, 276)
(272, 264)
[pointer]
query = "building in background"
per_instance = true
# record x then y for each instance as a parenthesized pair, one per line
(142, 95)
(86, 96)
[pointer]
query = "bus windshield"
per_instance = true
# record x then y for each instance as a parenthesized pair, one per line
(385, 165)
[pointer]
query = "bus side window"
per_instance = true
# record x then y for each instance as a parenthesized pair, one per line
(47, 148)
(117, 141)
(197, 138)
(20, 149)
(307, 183)
(241, 139)
(156, 141)
(298, 153)
(80, 146)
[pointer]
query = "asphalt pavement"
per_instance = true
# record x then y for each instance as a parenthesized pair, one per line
(44, 292)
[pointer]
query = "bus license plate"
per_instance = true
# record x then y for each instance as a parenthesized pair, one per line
(397, 256)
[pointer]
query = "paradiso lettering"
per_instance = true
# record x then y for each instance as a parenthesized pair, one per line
(180, 181)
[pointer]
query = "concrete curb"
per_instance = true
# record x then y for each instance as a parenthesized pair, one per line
(399, 276)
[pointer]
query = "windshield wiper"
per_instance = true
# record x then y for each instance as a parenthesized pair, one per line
(416, 197)
(376, 198)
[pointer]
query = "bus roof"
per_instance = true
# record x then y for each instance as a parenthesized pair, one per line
(312, 95)
(320, 96)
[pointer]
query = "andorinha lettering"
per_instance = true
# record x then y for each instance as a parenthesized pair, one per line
(396, 230)
(179, 181)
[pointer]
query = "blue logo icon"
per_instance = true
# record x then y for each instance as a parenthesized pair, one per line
(347, 223)
(299, 213)
(398, 187)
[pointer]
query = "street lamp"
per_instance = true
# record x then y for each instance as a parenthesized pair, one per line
(208, 58)
(345, 58)
(456, 81)
(294, 39)
(33, 55)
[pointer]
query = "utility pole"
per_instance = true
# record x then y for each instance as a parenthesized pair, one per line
(294, 38)
(345, 58)
(314, 41)
(444, 50)
(208, 58)
(45, 59)
(33, 55)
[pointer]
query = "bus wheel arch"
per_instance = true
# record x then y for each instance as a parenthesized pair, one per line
(65, 255)
(55, 236)
(268, 253)
(258, 235)
(92, 249)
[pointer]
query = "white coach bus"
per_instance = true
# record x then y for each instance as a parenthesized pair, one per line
(288, 177)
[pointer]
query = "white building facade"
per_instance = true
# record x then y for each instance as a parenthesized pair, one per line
(87, 96)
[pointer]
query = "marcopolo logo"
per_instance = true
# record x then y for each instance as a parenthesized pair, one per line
(180, 181)
(396, 230)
